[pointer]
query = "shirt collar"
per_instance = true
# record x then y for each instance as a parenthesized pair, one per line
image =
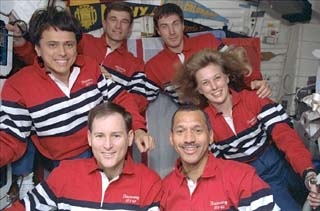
(186, 47)
(122, 49)
(209, 170)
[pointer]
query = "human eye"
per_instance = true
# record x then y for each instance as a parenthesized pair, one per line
(52, 44)
(116, 135)
(198, 130)
(204, 83)
(178, 131)
(70, 44)
(217, 77)
(176, 23)
(112, 19)
(125, 21)
(98, 136)
(163, 26)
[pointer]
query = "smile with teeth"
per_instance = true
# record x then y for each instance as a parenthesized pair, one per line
(62, 61)
(108, 154)
(189, 148)
(216, 93)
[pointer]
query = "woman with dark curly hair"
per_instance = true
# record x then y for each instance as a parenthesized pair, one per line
(247, 128)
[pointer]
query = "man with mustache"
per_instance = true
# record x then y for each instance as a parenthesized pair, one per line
(200, 181)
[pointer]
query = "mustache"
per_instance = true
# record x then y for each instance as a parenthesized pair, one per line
(184, 145)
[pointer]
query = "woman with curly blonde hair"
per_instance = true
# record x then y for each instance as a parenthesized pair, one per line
(247, 128)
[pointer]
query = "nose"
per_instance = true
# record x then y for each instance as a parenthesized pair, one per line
(171, 29)
(118, 24)
(213, 84)
(107, 144)
(62, 50)
(189, 136)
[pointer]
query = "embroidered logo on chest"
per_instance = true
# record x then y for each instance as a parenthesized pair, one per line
(219, 205)
(120, 69)
(87, 82)
(130, 199)
(252, 121)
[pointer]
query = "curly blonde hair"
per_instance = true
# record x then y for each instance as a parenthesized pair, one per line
(185, 79)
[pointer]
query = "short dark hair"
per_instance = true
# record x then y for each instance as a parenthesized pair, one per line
(56, 17)
(191, 107)
(165, 10)
(119, 6)
(107, 109)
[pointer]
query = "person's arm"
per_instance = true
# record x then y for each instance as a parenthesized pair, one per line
(22, 47)
(11, 149)
(115, 93)
(288, 141)
(255, 81)
(139, 85)
(278, 125)
(262, 87)
(152, 195)
(15, 124)
(143, 140)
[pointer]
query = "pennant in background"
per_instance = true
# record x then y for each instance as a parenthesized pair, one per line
(91, 15)
(190, 27)
(193, 9)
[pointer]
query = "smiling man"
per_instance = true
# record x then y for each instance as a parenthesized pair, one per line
(49, 100)
(202, 182)
(108, 181)
(116, 62)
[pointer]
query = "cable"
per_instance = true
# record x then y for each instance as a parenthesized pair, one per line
(15, 197)
(20, 24)
(256, 19)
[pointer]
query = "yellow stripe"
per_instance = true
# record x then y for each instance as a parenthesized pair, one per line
(80, 2)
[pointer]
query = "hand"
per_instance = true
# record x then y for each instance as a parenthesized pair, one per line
(312, 185)
(314, 196)
(18, 39)
(143, 140)
(263, 89)
(105, 72)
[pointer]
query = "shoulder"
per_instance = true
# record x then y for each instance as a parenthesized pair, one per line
(207, 40)
(248, 94)
(88, 37)
(146, 173)
(69, 168)
(85, 61)
(133, 59)
(203, 37)
(170, 180)
(251, 99)
(230, 167)
(22, 76)
(158, 58)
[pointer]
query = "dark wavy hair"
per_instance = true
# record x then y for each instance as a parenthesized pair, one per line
(185, 79)
(120, 7)
(55, 17)
(165, 10)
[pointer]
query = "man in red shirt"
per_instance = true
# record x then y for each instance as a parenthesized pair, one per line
(161, 69)
(48, 100)
(108, 181)
(200, 181)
